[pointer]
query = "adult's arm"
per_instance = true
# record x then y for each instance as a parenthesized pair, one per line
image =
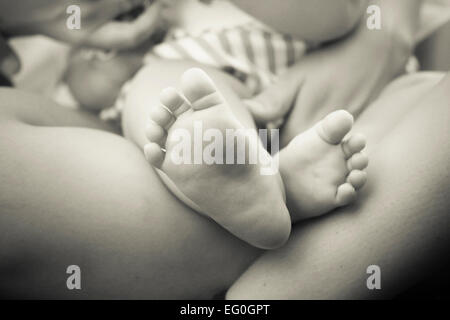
(400, 223)
(74, 195)
(319, 20)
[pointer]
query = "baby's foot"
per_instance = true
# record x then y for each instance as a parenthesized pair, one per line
(320, 170)
(237, 196)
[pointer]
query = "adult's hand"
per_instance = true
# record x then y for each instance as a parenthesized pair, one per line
(49, 17)
(347, 74)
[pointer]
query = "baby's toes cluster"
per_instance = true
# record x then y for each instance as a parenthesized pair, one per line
(356, 163)
(162, 117)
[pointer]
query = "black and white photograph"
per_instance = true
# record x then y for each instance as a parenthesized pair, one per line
(222, 151)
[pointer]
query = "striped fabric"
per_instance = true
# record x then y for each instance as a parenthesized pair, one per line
(253, 55)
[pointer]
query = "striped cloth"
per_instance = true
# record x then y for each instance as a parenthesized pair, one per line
(253, 55)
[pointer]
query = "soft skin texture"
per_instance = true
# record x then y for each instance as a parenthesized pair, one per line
(321, 170)
(95, 83)
(337, 17)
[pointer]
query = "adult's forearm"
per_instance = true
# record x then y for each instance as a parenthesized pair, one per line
(319, 20)
(77, 196)
(400, 223)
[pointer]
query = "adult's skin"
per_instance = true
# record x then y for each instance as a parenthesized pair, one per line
(400, 222)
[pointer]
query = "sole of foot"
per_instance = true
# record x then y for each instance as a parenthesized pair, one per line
(249, 205)
(320, 169)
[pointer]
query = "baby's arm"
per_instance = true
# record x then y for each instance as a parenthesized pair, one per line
(318, 20)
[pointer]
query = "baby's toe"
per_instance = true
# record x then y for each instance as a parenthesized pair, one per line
(335, 126)
(161, 116)
(200, 90)
(358, 161)
(357, 178)
(154, 154)
(155, 133)
(354, 144)
(173, 101)
(345, 194)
